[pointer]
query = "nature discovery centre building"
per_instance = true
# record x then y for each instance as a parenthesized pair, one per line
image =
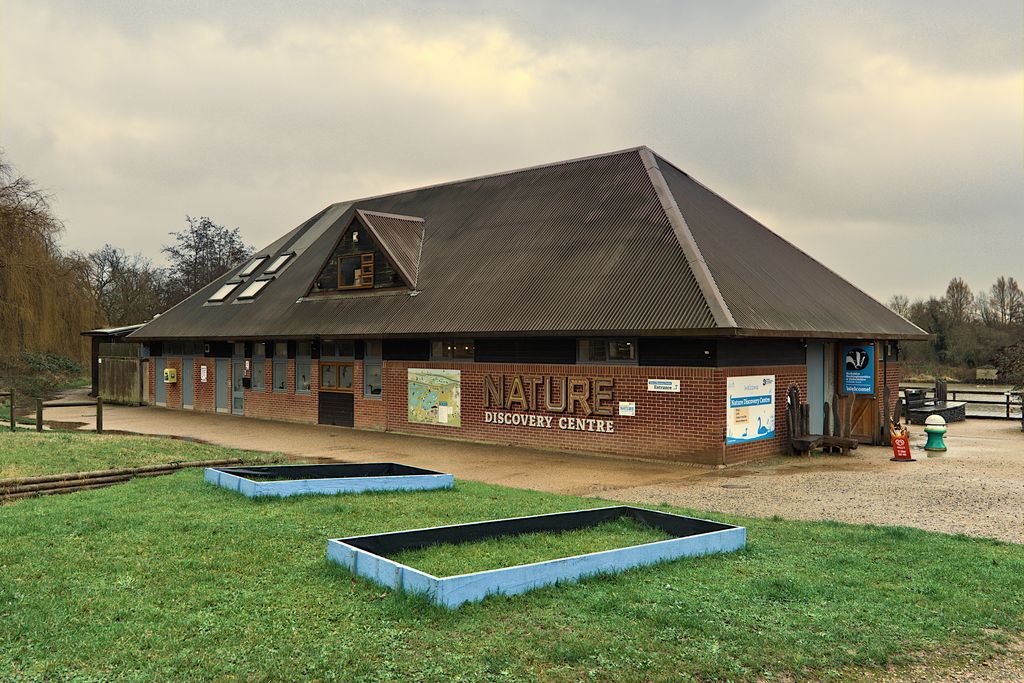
(608, 304)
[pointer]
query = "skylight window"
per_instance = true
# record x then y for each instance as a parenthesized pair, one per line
(253, 289)
(253, 265)
(277, 264)
(224, 292)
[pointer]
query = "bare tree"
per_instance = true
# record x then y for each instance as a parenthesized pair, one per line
(1007, 301)
(127, 286)
(959, 301)
(201, 253)
(900, 304)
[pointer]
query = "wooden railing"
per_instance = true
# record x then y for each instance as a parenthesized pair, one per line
(1010, 400)
(40, 404)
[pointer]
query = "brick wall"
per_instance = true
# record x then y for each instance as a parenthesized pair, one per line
(204, 393)
(686, 426)
(371, 413)
(889, 374)
(290, 406)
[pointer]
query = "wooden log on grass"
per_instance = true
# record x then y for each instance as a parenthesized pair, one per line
(70, 489)
(95, 474)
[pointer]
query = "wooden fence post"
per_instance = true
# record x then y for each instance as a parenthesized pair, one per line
(39, 414)
(12, 408)
(99, 414)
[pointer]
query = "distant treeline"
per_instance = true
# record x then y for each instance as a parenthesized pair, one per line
(49, 296)
(969, 330)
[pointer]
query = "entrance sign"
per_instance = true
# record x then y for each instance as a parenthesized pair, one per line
(859, 369)
(668, 385)
(750, 411)
(435, 397)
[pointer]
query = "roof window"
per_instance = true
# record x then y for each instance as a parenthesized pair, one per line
(224, 292)
(253, 289)
(253, 265)
(277, 264)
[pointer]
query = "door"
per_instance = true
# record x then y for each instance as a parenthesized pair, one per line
(159, 388)
(187, 382)
(238, 386)
(336, 398)
(222, 379)
(145, 381)
(816, 395)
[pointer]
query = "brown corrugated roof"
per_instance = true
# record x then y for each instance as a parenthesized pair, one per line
(618, 243)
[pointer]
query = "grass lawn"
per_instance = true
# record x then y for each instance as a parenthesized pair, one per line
(449, 559)
(30, 454)
(169, 578)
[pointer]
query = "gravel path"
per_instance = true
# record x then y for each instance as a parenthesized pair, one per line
(977, 488)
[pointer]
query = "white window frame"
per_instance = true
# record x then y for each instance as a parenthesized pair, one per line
(251, 267)
(223, 292)
(278, 263)
(253, 290)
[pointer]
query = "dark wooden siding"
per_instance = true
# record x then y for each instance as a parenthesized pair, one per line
(526, 350)
(406, 349)
(736, 352)
(676, 351)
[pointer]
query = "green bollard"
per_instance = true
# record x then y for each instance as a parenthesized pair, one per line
(935, 428)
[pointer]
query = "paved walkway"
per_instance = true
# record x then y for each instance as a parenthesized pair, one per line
(977, 489)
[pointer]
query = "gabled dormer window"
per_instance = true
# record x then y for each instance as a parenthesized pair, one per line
(251, 267)
(375, 251)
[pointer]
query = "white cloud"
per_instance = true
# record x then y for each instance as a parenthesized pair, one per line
(900, 123)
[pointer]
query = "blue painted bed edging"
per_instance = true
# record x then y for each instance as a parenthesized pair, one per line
(452, 591)
(421, 480)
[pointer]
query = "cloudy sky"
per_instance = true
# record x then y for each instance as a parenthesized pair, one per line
(883, 138)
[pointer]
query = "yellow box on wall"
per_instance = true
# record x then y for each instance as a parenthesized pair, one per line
(170, 376)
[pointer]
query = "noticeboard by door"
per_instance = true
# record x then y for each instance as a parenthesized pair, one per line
(858, 368)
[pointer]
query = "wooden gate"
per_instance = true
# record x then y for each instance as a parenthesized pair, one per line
(121, 380)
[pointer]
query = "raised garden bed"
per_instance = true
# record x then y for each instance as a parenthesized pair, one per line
(291, 480)
(373, 556)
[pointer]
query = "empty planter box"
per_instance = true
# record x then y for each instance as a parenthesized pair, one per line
(291, 480)
(367, 556)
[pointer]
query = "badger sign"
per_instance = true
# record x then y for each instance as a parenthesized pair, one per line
(859, 369)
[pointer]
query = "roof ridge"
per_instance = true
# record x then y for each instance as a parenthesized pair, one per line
(784, 240)
(698, 266)
(498, 174)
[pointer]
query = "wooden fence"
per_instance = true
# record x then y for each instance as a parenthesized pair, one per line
(121, 380)
(1010, 401)
(40, 404)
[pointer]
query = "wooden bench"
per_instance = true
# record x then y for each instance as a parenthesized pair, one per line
(798, 419)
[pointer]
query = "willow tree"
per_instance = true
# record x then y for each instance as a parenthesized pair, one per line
(45, 297)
